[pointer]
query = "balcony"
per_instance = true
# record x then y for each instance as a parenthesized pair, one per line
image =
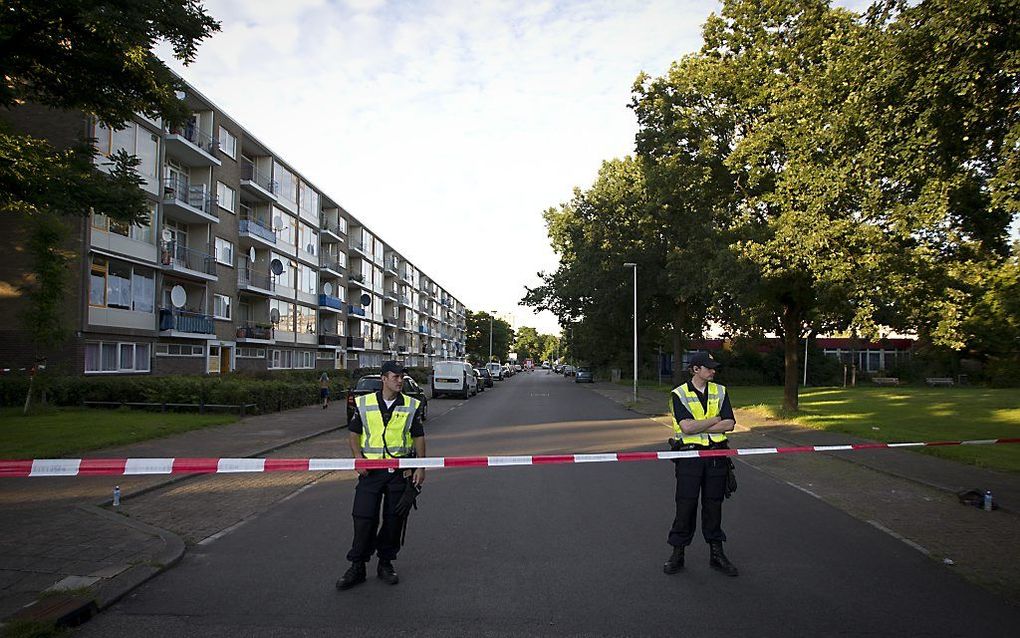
(392, 266)
(356, 343)
(191, 146)
(391, 296)
(255, 333)
(361, 248)
(359, 280)
(424, 330)
(329, 302)
(182, 260)
(332, 340)
(330, 232)
(405, 276)
(258, 184)
(356, 310)
(189, 203)
(332, 265)
(256, 230)
(252, 281)
(182, 323)
(389, 322)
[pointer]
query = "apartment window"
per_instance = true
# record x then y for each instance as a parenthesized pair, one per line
(226, 197)
(305, 319)
(178, 350)
(341, 223)
(285, 227)
(286, 311)
(221, 307)
(114, 284)
(310, 201)
(251, 353)
(112, 357)
(326, 355)
(288, 184)
(309, 239)
(139, 231)
(133, 139)
(224, 251)
(307, 279)
(305, 359)
(228, 143)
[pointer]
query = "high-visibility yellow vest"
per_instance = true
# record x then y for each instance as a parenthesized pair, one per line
(690, 400)
(380, 440)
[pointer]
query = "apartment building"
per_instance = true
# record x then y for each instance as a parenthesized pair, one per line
(242, 264)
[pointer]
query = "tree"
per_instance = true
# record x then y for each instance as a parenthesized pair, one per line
(478, 330)
(95, 58)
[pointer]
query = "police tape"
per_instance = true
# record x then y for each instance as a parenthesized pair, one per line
(145, 466)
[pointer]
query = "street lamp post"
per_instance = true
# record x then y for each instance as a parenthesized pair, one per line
(634, 266)
(490, 336)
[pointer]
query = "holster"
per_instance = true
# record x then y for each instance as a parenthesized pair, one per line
(731, 478)
(408, 500)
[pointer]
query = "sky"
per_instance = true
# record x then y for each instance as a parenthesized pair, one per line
(446, 126)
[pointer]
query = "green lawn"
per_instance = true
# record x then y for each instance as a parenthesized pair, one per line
(905, 414)
(52, 433)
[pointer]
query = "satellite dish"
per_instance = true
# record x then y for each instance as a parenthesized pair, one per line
(327, 289)
(251, 254)
(274, 316)
(366, 300)
(278, 222)
(178, 296)
(167, 235)
(276, 266)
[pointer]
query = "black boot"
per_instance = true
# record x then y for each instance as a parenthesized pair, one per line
(719, 561)
(675, 562)
(385, 572)
(355, 574)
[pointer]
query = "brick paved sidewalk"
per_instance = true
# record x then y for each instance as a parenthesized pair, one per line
(906, 494)
(55, 537)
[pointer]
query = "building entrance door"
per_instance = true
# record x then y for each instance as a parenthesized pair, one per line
(226, 353)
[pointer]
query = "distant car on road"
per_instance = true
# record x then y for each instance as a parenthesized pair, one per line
(495, 370)
(484, 379)
(584, 375)
(373, 383)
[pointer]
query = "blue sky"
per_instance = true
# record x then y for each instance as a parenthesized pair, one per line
(447, 126)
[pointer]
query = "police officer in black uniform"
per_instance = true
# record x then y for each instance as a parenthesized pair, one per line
(701, 417)
(386, 424)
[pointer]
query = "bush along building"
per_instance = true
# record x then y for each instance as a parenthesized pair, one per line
(242, 265)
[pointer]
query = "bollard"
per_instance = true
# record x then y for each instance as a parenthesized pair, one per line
(116, 495)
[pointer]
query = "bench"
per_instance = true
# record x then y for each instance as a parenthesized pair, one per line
(885, 380)
(934, 381)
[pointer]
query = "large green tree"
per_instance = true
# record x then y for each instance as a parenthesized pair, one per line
(479, 327)
(94, 57)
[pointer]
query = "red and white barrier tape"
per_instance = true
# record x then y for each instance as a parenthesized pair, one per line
(133, 467)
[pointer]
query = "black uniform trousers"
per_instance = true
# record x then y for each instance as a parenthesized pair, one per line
(378, 487)
(704, 476)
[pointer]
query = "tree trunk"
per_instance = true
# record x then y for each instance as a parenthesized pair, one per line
(791, 334)
(679, 344)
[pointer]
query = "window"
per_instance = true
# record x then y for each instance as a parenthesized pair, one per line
(141, 231)
(285, 227)
(286, 311)
(307, 279)
(228, 143)
(226, 197)
(221, 307)
(310, 202)
(288, 184)
(178, 350)
(305, 359)
(341, 223)
(133, 139)
(305, 320)
(224, 251)
(106, 357)
(114, 284)
(309, 240)
(251, 353)
(325, 355)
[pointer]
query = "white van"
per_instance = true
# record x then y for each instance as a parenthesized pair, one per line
(496, 370)
(454, 377)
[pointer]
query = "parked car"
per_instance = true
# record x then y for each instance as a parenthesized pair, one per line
(558, 368)
(373, 383)
(508, 371)
(568, 371)
(454, 377)
(495, 371)
(584, 375)
(518, 367)
(486, 377)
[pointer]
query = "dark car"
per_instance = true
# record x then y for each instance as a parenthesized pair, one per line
(481, 380)
(486, 377)
(373, 383)
(584, 375)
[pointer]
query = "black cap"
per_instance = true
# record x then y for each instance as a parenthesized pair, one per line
(394, 367)
(704, 360)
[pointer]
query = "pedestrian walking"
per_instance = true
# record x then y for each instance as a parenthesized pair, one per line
(702, 416)
(324, 389)
(385, 424)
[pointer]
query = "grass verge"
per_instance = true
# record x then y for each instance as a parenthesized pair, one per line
(892, 414)
(56, 432)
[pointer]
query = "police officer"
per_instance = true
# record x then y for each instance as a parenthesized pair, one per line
(386, 424)
(701, 417)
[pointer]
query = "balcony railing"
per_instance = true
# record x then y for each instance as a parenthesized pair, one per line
(356, 342)
(185, 321)
(356, 310)
(247, 277)
(255, 331)
(331, 340)
(329, 301)
(191, 133)
(332, 227)
(257, 228)
(180, 256)
(357, 276)
(329, 262)
(359, 245)
(193, 195)
(424, 330)
(252, 174)
(401, 348)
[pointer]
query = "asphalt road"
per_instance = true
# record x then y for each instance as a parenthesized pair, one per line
(558, 550)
